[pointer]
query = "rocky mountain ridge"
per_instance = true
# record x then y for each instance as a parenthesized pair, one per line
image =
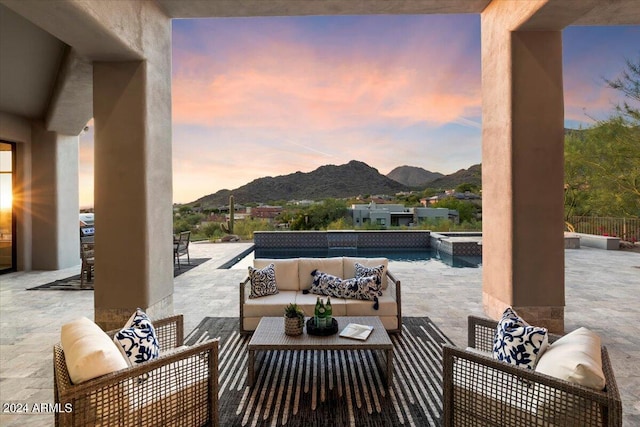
(331, 181)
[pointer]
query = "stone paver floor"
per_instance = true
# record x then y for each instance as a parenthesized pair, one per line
(602, 293)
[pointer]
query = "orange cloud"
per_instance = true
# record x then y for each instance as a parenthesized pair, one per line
(286, 84)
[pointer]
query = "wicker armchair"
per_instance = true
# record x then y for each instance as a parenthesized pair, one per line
(481, 391)
(180, 388)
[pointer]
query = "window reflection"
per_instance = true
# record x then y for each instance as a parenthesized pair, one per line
(7, 223)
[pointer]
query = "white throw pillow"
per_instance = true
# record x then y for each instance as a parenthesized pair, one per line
(577, 358)
(137, 340)
(88, 351)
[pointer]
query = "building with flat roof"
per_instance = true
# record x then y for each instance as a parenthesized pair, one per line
(396, 215)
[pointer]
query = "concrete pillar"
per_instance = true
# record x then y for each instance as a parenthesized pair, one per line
(133, 189)
(522, 167)
(54, 199)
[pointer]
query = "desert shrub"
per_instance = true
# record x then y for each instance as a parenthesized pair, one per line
(247, 227)
(341, 224)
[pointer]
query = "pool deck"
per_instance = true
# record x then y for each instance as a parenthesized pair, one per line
(602, 293)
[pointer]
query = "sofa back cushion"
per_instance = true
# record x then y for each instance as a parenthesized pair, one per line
(286, 272)
(89, 351)
(306, 266)
(349, 269)
(577, 358)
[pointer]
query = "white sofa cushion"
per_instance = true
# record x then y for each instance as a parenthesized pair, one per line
(89, 351)
(387, 306)
(577, 358)
(270, 305)
(286, 272)
(349, 269)
(306, 266)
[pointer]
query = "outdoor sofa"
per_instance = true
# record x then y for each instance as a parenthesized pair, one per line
(481, 391)
(293, 277)
(179, 388)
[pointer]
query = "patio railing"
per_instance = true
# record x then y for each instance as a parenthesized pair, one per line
(626, 228)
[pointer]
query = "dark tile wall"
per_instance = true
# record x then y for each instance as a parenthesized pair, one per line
(471, 248)
(367, 239)
(341, 239)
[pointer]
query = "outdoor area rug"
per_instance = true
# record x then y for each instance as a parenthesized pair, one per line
(73, 283)
(329, 388)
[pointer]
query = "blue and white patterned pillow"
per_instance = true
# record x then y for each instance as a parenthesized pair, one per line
(376, 272)
(263, 281)
(326, 284)
(518, 343)
(137, 340)
(364, 288)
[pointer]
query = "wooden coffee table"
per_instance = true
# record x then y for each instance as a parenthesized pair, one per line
(269, 335)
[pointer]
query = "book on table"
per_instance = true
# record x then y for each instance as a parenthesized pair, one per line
(356, 331)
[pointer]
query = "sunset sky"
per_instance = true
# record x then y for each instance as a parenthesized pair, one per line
(255, 97)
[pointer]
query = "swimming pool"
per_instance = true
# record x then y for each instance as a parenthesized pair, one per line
(415, 257)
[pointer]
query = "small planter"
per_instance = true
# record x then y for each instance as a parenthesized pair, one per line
(293, 319)
(293, 325)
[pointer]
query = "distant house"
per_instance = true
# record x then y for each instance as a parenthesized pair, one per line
(395, 215)
(302, 202)
(467, 195)
(264, 212)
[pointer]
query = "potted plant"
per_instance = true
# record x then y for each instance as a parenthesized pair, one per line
(293, 319)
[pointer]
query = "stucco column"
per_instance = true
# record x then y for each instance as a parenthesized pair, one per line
(522, 167)
(133, 189)
(54, 201)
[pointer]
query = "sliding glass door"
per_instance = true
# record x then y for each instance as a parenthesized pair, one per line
(7, 216)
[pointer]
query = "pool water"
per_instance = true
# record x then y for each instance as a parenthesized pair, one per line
(396, 256)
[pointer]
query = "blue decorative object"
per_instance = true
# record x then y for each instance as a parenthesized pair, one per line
(377, 272)
(263, 281)
(518, 343)
(363, 288)
(137, 340)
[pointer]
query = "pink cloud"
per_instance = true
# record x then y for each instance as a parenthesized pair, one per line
(286, 84)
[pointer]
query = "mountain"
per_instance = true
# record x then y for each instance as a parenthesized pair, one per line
(413, 176)
(328, 181)
(473, 175)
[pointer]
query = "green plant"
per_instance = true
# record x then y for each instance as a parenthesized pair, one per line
(228, 227)
(293, 310)
(245, 228)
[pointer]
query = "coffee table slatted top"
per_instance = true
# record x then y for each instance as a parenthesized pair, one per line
(269, 335)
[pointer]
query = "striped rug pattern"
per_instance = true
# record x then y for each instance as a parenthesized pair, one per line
(332, 388)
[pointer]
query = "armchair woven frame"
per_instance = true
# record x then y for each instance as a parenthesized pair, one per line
(481, 391)
(180, 388)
